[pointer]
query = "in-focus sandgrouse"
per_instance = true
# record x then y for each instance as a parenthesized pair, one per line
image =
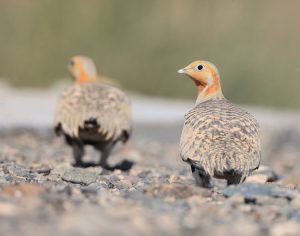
(218, 138)
(91, 112)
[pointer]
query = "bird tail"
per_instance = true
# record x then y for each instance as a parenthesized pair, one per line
(218, 162)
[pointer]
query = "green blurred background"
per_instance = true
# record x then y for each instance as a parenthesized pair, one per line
(255, 44)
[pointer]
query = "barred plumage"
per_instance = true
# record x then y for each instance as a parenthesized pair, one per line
(218, 138)
(91, 112)
(107, 105)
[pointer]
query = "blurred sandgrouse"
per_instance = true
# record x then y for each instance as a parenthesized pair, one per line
(218, 138)
(91, 112)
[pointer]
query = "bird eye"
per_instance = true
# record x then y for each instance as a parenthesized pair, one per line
(199, 67)
(71, 63)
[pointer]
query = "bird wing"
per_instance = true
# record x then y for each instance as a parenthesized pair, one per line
(109, 106)
(218, 129)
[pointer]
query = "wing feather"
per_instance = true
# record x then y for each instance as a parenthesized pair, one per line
(108, 105)
(217, 130)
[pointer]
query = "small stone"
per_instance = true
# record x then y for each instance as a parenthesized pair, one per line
(196, 201)
(79, 176)
(274, 201)
(236, 199)
(41, 169)
(18, 171)
(58, 171)
(67, 189)
(173, 179)
(176, 191)
(126, 183)
(264, 172)
(294, 215)
(287, 228)
(260, 178)
(296, 202)
(119, 183)
(8, 209)
(22, 190)
(90, 189)
(292, 180)
(251, 190)
(117, 172)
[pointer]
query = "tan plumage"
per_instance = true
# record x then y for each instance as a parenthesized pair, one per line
(109, 106)
(218, 138)
(92, 112)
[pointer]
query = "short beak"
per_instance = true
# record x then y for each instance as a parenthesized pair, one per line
(181, 71)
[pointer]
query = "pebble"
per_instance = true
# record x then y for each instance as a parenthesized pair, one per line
(267, 172)
(251, 190)
(292, 179)
(42, 193)
(257, 178)
(294, 215)
(287, 228)
(175, 191)
(22, 190)
(90, 189)
(8, 209)
(79, 176)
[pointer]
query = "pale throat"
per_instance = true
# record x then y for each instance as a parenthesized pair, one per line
(212, 89)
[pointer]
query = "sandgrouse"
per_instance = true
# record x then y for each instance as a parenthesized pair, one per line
(91, 112)
(218, 139)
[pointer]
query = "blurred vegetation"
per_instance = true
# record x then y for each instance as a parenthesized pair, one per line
(255, 44)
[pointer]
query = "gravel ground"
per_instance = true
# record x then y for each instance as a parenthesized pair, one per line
(42, 194)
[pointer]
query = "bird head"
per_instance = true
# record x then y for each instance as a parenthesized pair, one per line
(206, 77)
(82, 69)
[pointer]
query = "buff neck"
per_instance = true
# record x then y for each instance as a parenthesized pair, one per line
(83, 76)
(209, 91)
(86, 79)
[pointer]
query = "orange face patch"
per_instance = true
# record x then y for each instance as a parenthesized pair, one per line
(82, 75)
(79, 72)
(205, 76)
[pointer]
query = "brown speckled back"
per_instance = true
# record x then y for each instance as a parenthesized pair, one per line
(108, 105)
(217, 136)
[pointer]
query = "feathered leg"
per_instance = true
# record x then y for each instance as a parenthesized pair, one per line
(235, 177)
(105, 152)
(202, 179)
(78, 152)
